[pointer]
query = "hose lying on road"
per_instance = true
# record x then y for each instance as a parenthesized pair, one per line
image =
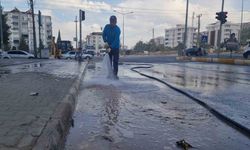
(244, 130)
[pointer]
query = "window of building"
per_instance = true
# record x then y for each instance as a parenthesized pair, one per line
(15, 23)
(15, 17)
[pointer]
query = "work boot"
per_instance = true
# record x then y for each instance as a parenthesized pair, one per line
(116, 77)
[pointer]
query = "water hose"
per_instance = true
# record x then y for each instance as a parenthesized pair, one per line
(242, 129)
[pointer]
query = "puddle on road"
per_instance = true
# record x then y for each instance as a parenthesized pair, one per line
(60, 68)
(135, 113)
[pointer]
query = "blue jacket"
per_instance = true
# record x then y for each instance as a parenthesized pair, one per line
(111, 35)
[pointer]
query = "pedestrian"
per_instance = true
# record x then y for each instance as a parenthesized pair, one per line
(111, 36)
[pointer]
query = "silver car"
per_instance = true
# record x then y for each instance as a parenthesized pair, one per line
(4, 55)
(20, 54)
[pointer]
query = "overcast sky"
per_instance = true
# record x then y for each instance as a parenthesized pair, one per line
(148, 14)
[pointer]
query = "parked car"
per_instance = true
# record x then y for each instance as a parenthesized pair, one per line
(246, 53)
(69, 55)
(20, 54)
(90, 51)
(195, 52)
(4, 55)
(72, 55)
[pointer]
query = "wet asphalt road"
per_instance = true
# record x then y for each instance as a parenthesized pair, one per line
(224, 87)
(136, 113)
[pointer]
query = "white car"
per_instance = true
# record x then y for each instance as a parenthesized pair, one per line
(72, 55)
(69, 55)
(20, 54)
(4, 55)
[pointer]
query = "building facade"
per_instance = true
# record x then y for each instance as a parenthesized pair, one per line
(227, 29)
(174, 36)
(95, 39)
(21, 27)
(159, 40)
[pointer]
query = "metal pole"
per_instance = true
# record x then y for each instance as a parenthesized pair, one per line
(80, 20)
(123, 14)
(241, 22)
(76, 32)
(186, 24)
(123, 38)
(39, 29)
(34, 28)
(220, 31)
(199, 26)
(1, 25)
(153, 33)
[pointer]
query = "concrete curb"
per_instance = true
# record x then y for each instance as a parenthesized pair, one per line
(54, 134)
(215, 60)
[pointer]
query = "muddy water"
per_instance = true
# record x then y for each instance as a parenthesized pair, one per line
(135, 113)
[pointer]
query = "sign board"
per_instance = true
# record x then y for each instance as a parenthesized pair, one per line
(204, 38)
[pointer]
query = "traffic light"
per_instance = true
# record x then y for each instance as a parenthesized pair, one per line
(218, 17)
(222, 17)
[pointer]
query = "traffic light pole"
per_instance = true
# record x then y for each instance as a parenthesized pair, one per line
(80, 22)
(76, 32)
(186, 24)
(220, 31)
(34, 28)
(1, 25)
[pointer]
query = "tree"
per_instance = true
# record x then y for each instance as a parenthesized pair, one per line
(23, 45)
(245, 35)
(6, 33)
(140, 46)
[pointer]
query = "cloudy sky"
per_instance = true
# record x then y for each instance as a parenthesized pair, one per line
(147, 14)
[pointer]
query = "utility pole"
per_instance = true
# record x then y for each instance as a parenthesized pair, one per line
(81, 18)
(34, 29)
(186, 24)
(80, 21)
(1, 25)
(39, 28)
(153, 36)
(76, 32)
(123, 37)
(220, 31)
(199, 27)
(193, 20)
(241, 22)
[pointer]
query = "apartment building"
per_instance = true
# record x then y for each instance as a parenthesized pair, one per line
(95, 39)
(21, 27)
(174, 36)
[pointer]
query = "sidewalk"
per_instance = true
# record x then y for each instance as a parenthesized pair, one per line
(24, 118)
(230, 61)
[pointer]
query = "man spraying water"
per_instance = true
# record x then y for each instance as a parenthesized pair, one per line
(111, 36)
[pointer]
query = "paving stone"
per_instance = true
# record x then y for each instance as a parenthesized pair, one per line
(23, 117)
(27, 141)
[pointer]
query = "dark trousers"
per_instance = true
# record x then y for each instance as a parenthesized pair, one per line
(114, 59)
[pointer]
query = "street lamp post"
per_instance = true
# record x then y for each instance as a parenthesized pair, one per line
(123, 14)
(241, 21)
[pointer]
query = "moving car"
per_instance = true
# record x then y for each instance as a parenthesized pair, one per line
(20, 54)
(195, 52)
(4, 55)
(72, 55)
